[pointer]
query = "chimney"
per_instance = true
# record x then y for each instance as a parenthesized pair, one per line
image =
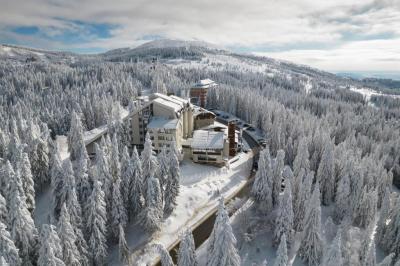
(231, 138)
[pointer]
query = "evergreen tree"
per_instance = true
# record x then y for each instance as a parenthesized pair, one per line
(57, 182)
(118, 211)
(370, 259)
(302, 157)
(284, 220)
(96, 225)
(103, 172)
(223, 246)
(151, 216)
(383, 217)
(22, 229)
(40, 163)
(187, 250)
(392, 236)
(164, 162)
(75, 137)
(123, 247)
(70, 252)
(365, 214)
(27, 183)
(282, 257)
(127, 173)
(50, 252)
(325, 174)
(13, 183)
(172, 184)
(312, 244)
(136, 185)
(149, 162)
(8, 250)
(279, 164)
(333, 256)
(342, 201)
(300, 205)
(387, 261)
(166, 259)
(81, 169)
(3, 210)
(262, 187)
(3, 262)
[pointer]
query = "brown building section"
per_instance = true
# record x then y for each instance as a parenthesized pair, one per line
(198, 93)
(231, 138)
(199, 96)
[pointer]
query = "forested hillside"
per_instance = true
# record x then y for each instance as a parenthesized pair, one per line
(347, 148)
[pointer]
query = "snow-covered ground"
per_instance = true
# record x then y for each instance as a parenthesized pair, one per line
(368, 93)
(201, 186)
(224, 62)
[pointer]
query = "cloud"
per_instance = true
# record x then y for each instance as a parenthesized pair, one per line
(278, 27)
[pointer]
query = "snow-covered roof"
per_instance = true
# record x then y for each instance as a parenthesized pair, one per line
(175, 99)
(207, 140)
(205, 83)
(158, 122)
(168, 104)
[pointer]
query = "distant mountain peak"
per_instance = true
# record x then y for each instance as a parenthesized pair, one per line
(173, 43)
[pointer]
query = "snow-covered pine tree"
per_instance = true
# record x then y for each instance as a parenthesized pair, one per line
(262, 188)
(299, 206)
(40, 163)
(187, 250)
(27, 183)
(70, 252)
(383, 217)
(7, 247)
(281, 256)
(123, 248)
(163, 170)
(115, 167)
(284, 219)
(326, 175)
(387, 261)
(103, 172)
(13, 183)
(127, 173)
(50, 251)
(57, 181)
(172, 184)
(302, 157)
(392, 236)
(118, 210)
(96, 228)
(81, 169)
(311, 246)
(223, 248)
(149, 162)
(365, 214)
(75, 137)
(3, 262)
(278, 166)
(22, 228)
(370, 258)
(333, 256)
(3, 209)
(136, 188)
(165, 258)
(151, 215)
(342, 201)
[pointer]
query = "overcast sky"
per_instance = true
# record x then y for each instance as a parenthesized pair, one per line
(335, 35)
